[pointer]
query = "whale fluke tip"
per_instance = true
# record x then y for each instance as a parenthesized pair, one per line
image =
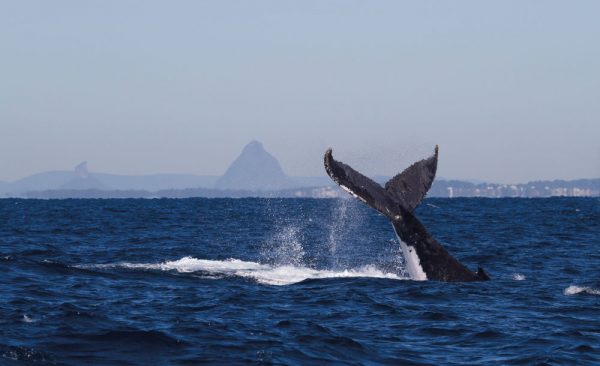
(328, 158)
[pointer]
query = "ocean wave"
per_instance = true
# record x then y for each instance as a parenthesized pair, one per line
(262, 273)
(574, 290)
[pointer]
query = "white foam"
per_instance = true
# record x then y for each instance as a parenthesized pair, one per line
(27, 319)
(574, 290)
(262, 273)
(519, 277)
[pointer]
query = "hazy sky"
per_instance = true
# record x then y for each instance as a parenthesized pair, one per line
(510, 90)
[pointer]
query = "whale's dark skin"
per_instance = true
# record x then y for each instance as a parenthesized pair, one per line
(397, 201)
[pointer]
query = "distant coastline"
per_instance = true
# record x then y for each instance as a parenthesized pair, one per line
(256, 173)
(441, 188)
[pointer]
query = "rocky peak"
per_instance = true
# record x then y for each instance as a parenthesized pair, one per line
(255, 170)
(82, 179)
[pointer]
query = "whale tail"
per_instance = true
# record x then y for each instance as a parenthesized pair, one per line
(405, 190)
(397, 199)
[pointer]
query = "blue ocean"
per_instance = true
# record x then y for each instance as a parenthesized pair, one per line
(294, 282)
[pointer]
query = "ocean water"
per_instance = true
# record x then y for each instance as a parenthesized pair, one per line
(296, 282)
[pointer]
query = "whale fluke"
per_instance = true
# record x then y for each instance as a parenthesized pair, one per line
(425, 257)
(410, 187)
(358, 185)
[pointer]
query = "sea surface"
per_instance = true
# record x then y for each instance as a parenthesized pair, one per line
(294, 282)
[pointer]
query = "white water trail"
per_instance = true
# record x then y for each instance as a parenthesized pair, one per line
(262, 273)
(574, 290)
(283, 259)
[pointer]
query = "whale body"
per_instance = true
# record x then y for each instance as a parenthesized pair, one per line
(426, 259)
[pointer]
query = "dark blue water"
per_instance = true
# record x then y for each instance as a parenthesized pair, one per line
(294, 281)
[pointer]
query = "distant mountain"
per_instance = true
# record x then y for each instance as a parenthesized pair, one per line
(254, 170)
(70, 180)
(36, 182)
(256, 173)
(82, 179)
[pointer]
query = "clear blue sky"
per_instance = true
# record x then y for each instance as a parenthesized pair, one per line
(510, 90)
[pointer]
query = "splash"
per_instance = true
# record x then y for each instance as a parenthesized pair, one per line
(342, 225)
(285, 247)
(337, 223)
(574, 290)
(291, 244)
(262, 273)
(27, 319)
(519, 277)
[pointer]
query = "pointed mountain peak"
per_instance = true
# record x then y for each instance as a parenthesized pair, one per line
(253, 146)
(255, 170)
